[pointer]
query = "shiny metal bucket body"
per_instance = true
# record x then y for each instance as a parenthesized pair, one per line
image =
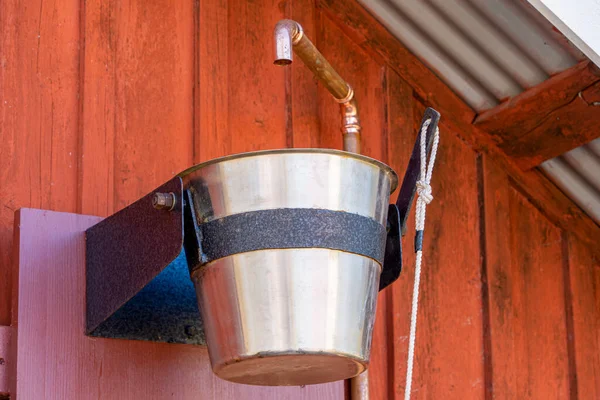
(289, 316)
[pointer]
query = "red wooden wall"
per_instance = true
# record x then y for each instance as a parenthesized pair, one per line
(101, 101)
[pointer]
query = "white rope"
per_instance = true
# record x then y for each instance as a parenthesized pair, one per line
(424, 198)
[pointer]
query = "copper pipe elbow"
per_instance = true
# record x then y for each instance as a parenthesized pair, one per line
(286, 33)
(289, 38)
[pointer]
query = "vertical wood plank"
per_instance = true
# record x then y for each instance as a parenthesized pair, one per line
(39, 81)
(497, 256)
(57, 361)
(526, 295)
(138, 107)
(98, 127)
(401, 138)
(537, 254)
(366, 77)
(154, 103)
(242, 96)
(212, 136)
(304, 86)
(257, 103)
(584, 273)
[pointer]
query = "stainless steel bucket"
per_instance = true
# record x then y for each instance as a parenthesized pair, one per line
(289, 314)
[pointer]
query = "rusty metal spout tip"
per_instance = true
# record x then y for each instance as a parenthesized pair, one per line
(286, 34)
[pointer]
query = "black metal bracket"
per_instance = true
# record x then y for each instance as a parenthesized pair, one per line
(409, 183)
(398, 213)
(392, 262)
(138, 282)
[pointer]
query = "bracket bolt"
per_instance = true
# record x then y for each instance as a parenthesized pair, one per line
(164, 201)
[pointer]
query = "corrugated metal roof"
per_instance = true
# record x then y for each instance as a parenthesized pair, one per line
(488, 51)
(485, 50)
(577, 173)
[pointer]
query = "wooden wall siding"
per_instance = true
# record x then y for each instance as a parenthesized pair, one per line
(39, 89)
(138, 74)
(528, 317)
(101, 101)
(402, 120)
(584, 276)
(244, 100)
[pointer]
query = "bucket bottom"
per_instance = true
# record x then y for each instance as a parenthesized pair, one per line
(290, 369)
(288, 316)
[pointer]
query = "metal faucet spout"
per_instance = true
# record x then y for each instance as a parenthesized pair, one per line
(289, 37)
(286, 31)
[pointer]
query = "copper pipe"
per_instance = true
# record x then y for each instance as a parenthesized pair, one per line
(359, 387)
(351, 126)
(289, 38)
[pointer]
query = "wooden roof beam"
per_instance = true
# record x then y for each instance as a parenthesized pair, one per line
(549, 119)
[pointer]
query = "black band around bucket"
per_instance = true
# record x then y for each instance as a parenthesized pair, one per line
(288, 228)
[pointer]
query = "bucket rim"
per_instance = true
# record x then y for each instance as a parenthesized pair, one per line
(384, 167)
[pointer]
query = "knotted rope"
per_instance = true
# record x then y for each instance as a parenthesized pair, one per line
(424, 197)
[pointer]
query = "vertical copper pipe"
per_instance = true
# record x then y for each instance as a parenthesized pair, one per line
(289, 38)
(359, 387)
(351, 126)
